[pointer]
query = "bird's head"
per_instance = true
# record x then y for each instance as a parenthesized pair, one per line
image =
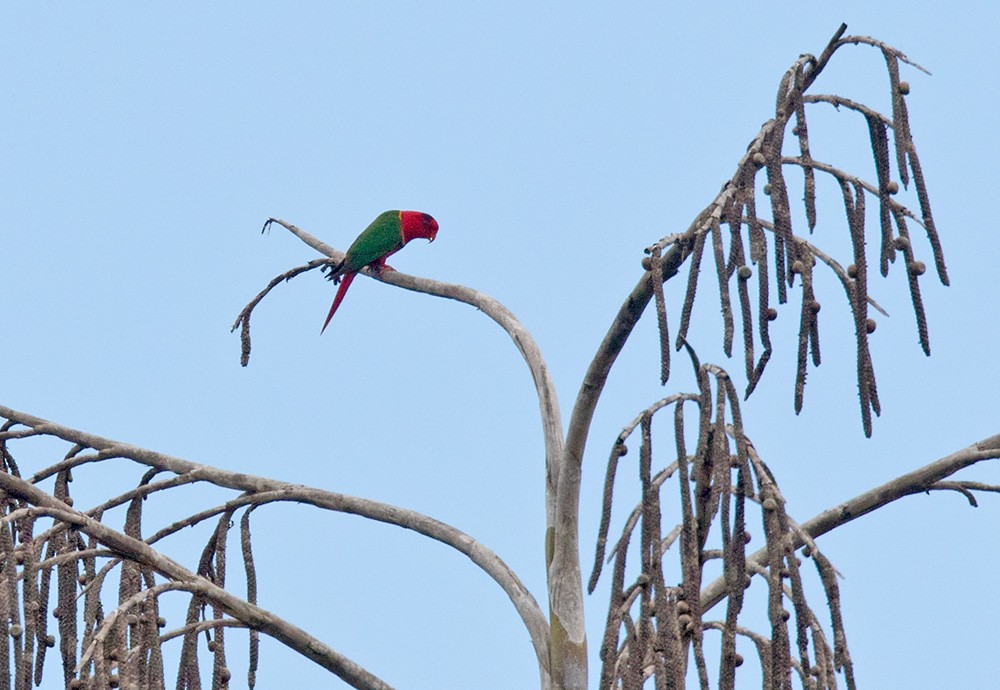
(417, 224)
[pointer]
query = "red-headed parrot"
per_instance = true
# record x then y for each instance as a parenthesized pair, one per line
(385, 236)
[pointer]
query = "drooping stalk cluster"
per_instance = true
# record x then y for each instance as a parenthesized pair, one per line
(736, 208)
(655, 628)
(44, 545)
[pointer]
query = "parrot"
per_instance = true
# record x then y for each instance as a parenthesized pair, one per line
(386, 235)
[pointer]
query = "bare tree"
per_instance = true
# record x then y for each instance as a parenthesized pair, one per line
(659, 619)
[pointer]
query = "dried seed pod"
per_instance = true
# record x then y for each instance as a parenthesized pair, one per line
(737, 660)
(68, 500)
(758, 159)
(852, 271)
(769, 504)
(50, 640)
(683, 607)
(744, 272)
(113, 681)
(161, 622)
(16, 630)
(798, 266)
(772, 313)
(746, 537)
(904, 87)
(815, 306)
(647, 263)
(917, 268)
(767, 189)
(870, 326)
(892, 187)
(785, 615)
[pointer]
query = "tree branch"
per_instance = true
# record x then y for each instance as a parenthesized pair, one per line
(254, 616)
(548, 402)
(918, 481)
(262, 489)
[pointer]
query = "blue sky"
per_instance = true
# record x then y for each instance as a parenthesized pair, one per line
(144, 146)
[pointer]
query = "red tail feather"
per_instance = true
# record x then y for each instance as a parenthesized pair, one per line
(345, 282)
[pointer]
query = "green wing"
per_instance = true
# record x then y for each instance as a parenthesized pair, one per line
(380, 239)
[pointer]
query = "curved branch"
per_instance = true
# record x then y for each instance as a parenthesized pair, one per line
(262, 489)
(835, 266)
(201, 626)
(256, 617)
(67, 464)
(884, 47)
(614, 341)
(838, 101)
(243, 319)
(524, 602)
(636, 302)
(548, 402)
(966, 488)
(107, 625)
(915, 482)
(840, 175)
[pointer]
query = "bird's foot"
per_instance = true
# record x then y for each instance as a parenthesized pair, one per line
(381, 265)
(332, 270)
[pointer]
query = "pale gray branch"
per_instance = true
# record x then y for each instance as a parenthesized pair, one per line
(918, 481)
(548, 402)
(262, 489)
(254, 616)
(562, 574)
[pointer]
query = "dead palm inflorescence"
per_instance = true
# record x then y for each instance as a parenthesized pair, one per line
(654, 627)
